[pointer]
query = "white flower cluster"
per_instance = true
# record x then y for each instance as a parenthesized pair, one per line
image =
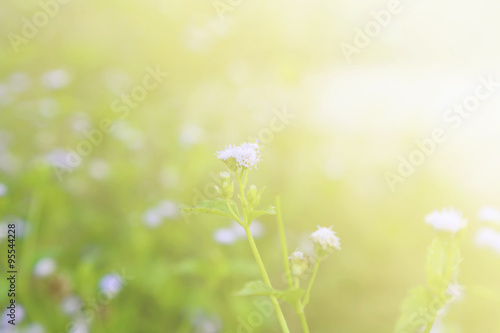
(446, 220)
(233, 233)
(300, 262)
(247, 155)
(326, 238)
(488, 238)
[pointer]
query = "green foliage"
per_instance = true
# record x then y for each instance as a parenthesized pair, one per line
(216, 207)
(257, 288)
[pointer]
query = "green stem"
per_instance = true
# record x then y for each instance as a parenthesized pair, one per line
(265, 277)
(284, 249)
(311, 282)
(255, 251)
(303, 321)
(429, 326)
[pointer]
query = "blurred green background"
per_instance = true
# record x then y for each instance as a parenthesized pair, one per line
(109, 220)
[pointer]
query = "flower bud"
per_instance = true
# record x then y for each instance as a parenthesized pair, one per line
(299, 263)
(253, 196)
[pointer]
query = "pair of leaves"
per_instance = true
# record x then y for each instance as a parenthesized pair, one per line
(416, 311)
(220, 207)
(216, 207)
(259, 288)
(443, 261)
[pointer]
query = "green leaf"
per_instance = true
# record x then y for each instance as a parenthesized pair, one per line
(216, 207)
(436, 266)
(269, 210)
(257, 287)
(415, 310)
(292, 296)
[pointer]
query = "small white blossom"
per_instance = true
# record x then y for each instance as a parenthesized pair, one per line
(446, 220)
(56, 79)
(20, 313)
(111, 284)
(3, 189)
(297, 255)
(71, 305)
(490, 238)
(299, 262)
(326, 238)
(225, 236)
(154, 216)
(44, 267)
(489, 214)
(247, 155)
(235, 232)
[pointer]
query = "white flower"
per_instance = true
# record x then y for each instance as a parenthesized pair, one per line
(111, 284)
(488, 237)
(154, 216)
(446, 220)
(3, 189)
(44, 267)
(56, 79)
(71, 305)
(326, 238)
(247, 155)
(489, 214)
(297, 255)
(299, 262)
(235, 232)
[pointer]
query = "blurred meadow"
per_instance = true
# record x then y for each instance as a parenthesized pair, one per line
(111, 113)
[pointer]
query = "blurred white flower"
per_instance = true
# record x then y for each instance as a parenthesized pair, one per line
(19, 82)
(111, 284)
(205, 323)
(44, 267)
(488, 238)
(48, 107)
(71, 305)
(22, 228)
(166, 209)
(63, 159)
(489, 214)
(235, 232)
(98, 169)
(299, 262)
(446, 220)
(79, 325)
(326, 238)
(3, 189)
(247, 155)
(56, 79)
(190, 134)
(129, 135)
(225, 236)
(20, 314)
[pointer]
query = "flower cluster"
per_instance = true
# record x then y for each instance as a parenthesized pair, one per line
(326, 238)
(247, 155)
(446, 220)
(300, 263)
